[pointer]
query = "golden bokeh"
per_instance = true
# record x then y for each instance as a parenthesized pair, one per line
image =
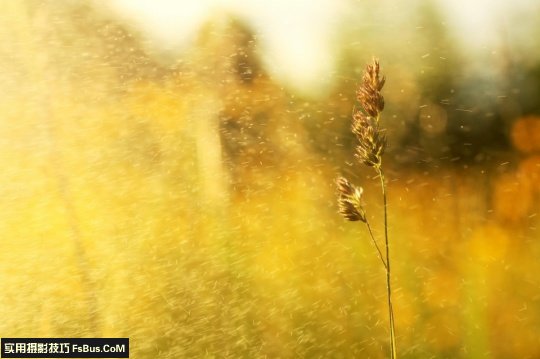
(191, 205)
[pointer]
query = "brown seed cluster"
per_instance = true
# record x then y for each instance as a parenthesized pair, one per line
(365, 124)
(369, 93)
(371, 139)
(349, 200)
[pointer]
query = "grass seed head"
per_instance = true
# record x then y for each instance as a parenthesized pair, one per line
(365, 124)
(349, 200)
(369, 93)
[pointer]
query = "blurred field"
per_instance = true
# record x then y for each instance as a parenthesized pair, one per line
(194, 211)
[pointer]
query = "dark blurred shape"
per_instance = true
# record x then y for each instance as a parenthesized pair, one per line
(258, 136)
(458, 117)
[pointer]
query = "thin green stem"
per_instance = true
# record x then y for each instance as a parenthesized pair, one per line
(388, 286)
(376, 245)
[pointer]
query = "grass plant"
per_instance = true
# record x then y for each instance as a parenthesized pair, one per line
(369, 150)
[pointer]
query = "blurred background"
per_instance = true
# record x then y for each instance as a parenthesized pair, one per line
(168, 175)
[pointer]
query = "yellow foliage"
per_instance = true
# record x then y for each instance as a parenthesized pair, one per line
(441, 289)
(488, 243)
(109, 227)
(512, 197)
(442, 331)
(529, 168)
(526, 134)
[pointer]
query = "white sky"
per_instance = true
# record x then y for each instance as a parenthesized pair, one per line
(480, 22)
(296, 36)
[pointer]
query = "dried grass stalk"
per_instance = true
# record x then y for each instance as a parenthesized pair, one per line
(369, 151)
